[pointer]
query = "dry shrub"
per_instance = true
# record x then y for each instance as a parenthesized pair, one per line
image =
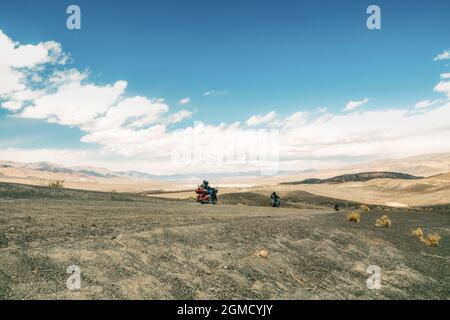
(365, 208)
(383, 222)
(432, 239)
(262, 254)
(58, 184)
(354, 216)
(417, 233)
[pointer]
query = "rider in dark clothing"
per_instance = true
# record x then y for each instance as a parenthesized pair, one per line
(212, 194)
(275, 198)
(205, 185)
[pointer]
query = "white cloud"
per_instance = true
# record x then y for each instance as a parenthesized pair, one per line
(16, 59)
(135, 112)
(12, 105)
(294, 120)
(235, 125)
(297, 118)
(184, 101)
(384, 133)
(75, 104)
(352, 105)
(16, 99)
(10, 80)
(257, 120)
(61, 77)
(445, 55)
(427, 103)
(445, 75)
(15, 55)
(215, 93)
(179, 116)
(443, 87)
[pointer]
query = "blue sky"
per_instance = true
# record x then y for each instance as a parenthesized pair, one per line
(261, 56)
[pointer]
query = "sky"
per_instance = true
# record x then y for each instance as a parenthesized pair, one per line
(223, 86)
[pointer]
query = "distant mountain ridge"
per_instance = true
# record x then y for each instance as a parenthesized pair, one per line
(89, 172)
(363, 176)
(93, 172)
(422, 165)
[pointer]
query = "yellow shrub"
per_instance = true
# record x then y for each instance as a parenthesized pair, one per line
(383, 222)
(433, 239)
(58, 184)
(365, 208)
(417, 233)
(354, 216)
(262, 254)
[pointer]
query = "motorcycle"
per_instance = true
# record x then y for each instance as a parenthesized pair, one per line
(276, 202)
(206, 195)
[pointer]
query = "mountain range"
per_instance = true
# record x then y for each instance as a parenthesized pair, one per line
(364, 176)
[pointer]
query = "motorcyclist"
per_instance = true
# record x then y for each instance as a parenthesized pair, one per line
(206, 193)
(212, 192)
(275, 199)
(205, 185)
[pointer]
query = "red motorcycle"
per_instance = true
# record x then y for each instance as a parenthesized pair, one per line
(206, 195)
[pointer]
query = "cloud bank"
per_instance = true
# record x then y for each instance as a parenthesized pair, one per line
(134, 132)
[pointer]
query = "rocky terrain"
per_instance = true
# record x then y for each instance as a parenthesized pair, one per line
(138, 247)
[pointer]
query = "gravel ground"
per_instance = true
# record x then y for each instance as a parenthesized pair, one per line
(131, 247)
